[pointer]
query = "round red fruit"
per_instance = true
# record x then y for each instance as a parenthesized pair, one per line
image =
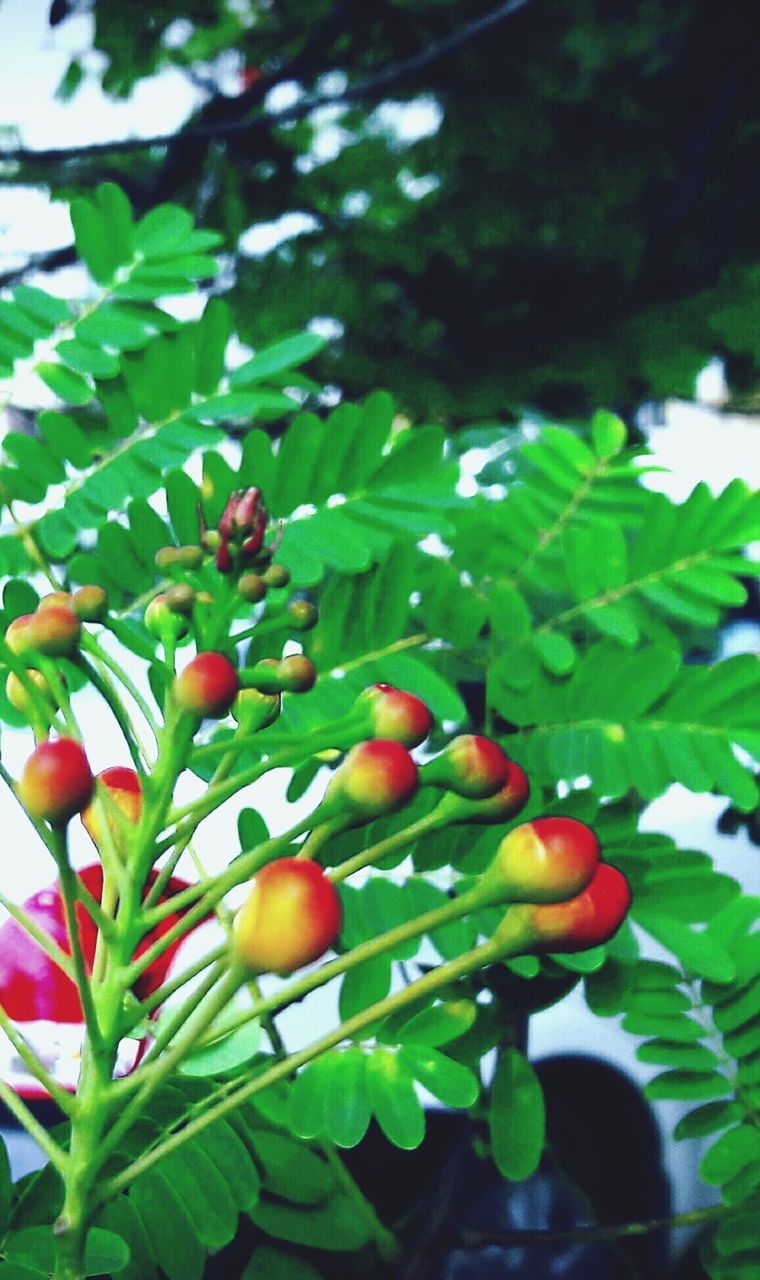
(207, 686)
(396, 714)
(290, 918)
(56, 781)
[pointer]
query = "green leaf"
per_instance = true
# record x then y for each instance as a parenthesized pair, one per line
(516, 1117)
(364, 985)
(668, 1053)
(556, 652)
(63, 382)
(290, 1169)
(347, 1101)
(608, 433)
(284, 354)
(450, 1082)
(225, 1054)
(334, 1225)
(397, 1108)
(42, 306)
(707, 1119)
(729, 1155)
(6, 1188)
(162, 231)
(688, 1085)
(438, 1024)
(268, 1263)
(169, 1226)
(104, 1251)
(700, 955)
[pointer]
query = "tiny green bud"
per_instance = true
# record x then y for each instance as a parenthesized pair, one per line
(297, 674)
(276, 575)
(90, 603)
(252, 587)
(180, 599)
(303, 615)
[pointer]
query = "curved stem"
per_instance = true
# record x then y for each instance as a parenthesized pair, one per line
(26, 1118)
(34, 1065)
(108, 693)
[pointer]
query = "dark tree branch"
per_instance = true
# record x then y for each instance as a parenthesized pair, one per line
(368, 88)
(51, 261)
(587, 1235)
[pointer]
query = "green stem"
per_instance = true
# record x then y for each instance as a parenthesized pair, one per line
(43, 939)
(429, 984)
(90, 644)
(28, 1121)
(586, 1235)
(34, 1065)
(146, 1007)
(69, 894)
(204, 1014)
(109, 695)
(380, 850)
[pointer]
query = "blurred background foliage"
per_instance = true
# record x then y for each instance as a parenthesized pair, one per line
(568, 217)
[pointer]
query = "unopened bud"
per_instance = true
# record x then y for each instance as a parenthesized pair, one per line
(547, 860)
(180, 599)
(303, 615)
(376, 777)
(276, 575)
(470, 765)
(163, 622)
(254, 710)
(297, 674)
(90, 603)
(252, 587)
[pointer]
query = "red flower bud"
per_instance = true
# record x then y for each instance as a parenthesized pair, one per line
(587, 920)
(500, 807)
(125, 790)
(375, 777)
(56, 781)
(243, 525)
(470, 765)
(396, 714)
(53, 631)
(547, 860)
(291, 916)
(207, 686)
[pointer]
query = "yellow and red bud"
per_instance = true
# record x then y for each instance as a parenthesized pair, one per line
(53, 631)
(208, 685)
(589, 919)
(56, 781)
(548, 860)
(394, 713)
(290, 918)
(376, 777)
(90, 603)
(470, 765)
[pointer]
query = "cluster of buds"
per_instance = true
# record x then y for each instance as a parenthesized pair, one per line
(548, 873)
(241, 530)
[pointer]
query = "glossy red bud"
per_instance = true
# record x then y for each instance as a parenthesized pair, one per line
(506, 803)
(546, 860)
(56, 781)
(591, 918)
(470, 765)
(376, 777)
(396, 714)
(53, 631)
(207, 686)
(290, 918)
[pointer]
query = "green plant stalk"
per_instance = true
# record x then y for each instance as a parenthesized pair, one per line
(429, 984)
(168, 1027)
(97, 651)
(159, 997)
(69, 894)
(43, 939)
(26, 1118)
(136, 749)
(372, 854)
(203, 1014)
(61, 694)
(65, 1101)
